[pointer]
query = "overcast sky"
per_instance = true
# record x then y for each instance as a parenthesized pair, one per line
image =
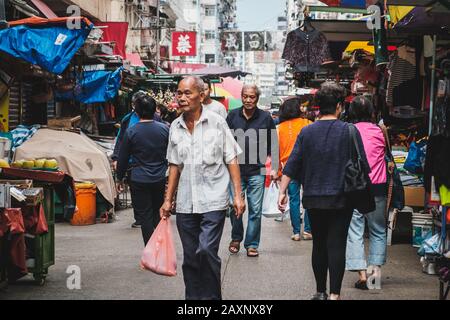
(256, 15)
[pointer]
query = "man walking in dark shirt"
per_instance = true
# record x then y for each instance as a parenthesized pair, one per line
(256, 134)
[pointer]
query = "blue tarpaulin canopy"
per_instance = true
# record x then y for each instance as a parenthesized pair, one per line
(94, 87)
(50, 44)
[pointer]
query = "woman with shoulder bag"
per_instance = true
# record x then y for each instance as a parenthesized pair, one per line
(319, 160)
(361, 114)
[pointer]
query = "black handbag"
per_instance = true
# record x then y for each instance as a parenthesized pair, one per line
(357, 184)
(396, 193)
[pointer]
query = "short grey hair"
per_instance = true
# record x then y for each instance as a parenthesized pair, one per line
(251, 86)
(199, 84)
(138, 94)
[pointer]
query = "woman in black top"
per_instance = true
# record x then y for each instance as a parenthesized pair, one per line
(318, 161)
(146, 143)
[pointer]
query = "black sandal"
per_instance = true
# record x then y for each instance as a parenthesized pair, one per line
(234, 247)
(362, 285)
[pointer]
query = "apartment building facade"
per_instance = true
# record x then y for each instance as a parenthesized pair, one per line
(209, 18)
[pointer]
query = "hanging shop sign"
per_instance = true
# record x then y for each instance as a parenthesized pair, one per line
(254, 41)
(186, 68)
(184, 44)
(231, 41)
(251, 40)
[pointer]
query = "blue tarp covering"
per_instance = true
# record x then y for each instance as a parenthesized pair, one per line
(94, 87)
(353, 3)
(49, 46)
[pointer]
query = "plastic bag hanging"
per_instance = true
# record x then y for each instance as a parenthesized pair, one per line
(159, 254)
(42, 226)
(270, 203)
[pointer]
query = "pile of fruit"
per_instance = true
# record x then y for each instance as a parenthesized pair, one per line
(38, 164)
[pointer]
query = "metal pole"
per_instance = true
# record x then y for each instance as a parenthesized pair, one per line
(433, 81)
(3, 23)
(158, 40)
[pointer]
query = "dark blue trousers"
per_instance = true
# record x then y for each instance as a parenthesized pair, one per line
(200, 236)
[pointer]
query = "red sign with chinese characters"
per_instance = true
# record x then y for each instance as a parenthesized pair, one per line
(184, 44)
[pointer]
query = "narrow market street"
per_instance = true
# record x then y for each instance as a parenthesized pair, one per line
(108, 256)
(141, 136)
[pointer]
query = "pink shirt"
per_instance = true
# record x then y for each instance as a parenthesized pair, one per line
(374, 145)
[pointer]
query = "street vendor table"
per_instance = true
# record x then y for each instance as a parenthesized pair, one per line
(44, 244)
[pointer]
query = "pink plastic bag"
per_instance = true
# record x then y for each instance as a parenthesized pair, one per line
(159, 254)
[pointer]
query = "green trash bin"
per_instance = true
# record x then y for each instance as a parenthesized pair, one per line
(44, 245)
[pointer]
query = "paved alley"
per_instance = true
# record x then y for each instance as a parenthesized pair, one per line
(108, 256)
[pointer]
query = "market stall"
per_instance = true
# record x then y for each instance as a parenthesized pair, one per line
(404, 68)
(27, 222)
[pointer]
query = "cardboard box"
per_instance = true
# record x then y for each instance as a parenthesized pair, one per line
(414, 196)
(65, 123)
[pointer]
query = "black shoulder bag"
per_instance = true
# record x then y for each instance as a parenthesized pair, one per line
(357, 185)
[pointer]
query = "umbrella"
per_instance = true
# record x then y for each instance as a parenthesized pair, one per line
(364, 45)
(234, 103)
(229, 87)
(220, 72)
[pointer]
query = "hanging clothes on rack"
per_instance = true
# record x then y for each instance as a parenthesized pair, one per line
(441, 114)
(401, 68)
(306, 51)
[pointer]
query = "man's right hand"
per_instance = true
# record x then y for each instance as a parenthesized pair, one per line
(282, 202)
(239, 206)
(119, 187)
(166, 209)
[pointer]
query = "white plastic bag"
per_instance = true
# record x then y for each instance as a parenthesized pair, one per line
(431, 245)
(270, 203)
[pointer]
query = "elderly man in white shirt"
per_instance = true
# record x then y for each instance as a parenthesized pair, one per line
(202, 155)
(210, 104)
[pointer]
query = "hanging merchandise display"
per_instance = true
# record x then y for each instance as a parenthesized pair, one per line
(401, 69)
(306, 50)
(164, 99)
